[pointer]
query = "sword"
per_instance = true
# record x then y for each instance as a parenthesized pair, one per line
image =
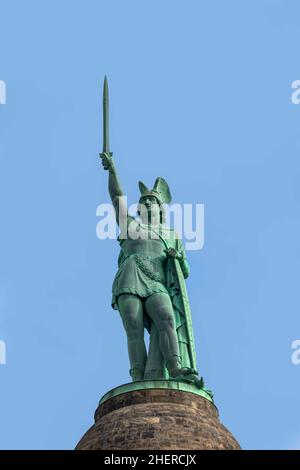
(106, 118)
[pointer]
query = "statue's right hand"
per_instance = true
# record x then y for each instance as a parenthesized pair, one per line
(107, 160)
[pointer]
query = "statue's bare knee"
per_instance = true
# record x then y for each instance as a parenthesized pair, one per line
(131, 311)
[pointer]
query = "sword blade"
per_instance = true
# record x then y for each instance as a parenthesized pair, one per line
(105, 117)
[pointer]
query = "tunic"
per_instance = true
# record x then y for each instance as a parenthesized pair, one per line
(142, 263)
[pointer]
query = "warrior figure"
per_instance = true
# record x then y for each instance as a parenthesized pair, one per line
(149, 288)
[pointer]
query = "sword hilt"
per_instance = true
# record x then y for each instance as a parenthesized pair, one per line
(105, 154)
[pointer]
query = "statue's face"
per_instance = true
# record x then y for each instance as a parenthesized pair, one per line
(149, 208)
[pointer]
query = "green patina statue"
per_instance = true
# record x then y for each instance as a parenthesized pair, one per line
(149, 288)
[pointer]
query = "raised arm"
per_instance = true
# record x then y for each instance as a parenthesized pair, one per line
(115, 191)
(114, 186)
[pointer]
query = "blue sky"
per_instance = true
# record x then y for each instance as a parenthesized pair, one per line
(201, 95)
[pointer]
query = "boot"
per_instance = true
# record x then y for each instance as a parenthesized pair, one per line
(136, 374)
(182, 373)
(174, 367)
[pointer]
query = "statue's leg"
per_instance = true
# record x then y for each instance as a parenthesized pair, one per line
(159, 308)
(155, 365)
(131, 310)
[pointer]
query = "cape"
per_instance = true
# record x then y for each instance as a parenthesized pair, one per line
(176, 287)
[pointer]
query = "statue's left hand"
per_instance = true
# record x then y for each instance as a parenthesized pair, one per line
(174, 253)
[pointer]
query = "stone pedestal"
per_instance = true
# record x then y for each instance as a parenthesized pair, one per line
(158, 415)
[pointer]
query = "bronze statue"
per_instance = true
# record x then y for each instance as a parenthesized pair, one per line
(149, 287)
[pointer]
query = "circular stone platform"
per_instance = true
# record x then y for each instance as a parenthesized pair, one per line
(157, 415)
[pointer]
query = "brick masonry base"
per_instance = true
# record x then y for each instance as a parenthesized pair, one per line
(157, 419)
